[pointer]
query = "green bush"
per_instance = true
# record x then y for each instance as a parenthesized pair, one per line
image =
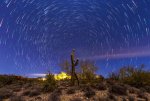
(137, 77)
(50, 83)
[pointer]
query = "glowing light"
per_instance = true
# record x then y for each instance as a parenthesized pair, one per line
(43, 79)
(62, 76)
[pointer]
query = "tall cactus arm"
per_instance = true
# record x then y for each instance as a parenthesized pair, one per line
(77, 62)
(72, 59)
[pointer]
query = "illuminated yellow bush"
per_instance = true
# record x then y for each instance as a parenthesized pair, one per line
(62, 76)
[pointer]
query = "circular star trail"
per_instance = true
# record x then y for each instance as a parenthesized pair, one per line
(35, 35)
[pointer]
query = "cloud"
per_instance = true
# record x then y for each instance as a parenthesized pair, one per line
(123, 54)
(37, 75)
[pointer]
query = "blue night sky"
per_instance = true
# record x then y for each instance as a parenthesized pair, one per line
(35, 35)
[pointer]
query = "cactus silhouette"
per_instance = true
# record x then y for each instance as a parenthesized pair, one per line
(74, 63)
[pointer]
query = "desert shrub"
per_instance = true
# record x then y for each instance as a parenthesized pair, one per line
(137, 77)
(17, 98)
(89, 92)
(11, 79)
(117, 89)
(5, 93)
(7, 80)
(50, 83)
(31, 93)
(55, 96)
(26, 93)
(71, 91)
(38, 98)
(27, 85)
(147, 88)
(99, 86)
(142, 95)
(16, 90)
(114, 76)
(110, 82)
(126, 71)
(98, 79)
(111, 97)
(15, 87)
(34, 93)
(58, 91)
(87, 69)
(133, 90)
(142, 89)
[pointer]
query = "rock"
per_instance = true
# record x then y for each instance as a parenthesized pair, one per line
(100, 87)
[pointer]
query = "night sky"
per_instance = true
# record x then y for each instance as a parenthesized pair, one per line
(35, 35)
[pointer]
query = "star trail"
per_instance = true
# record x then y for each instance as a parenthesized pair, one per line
(35, 35)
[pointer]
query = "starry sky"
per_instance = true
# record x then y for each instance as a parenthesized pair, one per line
(35, 35)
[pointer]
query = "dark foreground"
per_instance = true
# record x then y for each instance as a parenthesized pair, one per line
(24, 89)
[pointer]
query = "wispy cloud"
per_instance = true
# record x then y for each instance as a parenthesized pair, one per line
(123, 54)
(37, 75)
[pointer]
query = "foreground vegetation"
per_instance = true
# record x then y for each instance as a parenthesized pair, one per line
(137, 77)
(126, 84)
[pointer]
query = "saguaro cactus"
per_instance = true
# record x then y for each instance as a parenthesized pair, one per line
(74, 63)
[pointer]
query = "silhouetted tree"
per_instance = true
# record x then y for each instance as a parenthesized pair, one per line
(88, 70)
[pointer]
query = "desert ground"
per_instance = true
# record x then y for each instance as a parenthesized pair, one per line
(106, 90)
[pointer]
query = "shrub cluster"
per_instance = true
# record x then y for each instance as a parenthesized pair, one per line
(6, 80)
(89, 92)
(71, 91)
(137, 77)
(50, 83)
(118, 89)
(55, 96)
